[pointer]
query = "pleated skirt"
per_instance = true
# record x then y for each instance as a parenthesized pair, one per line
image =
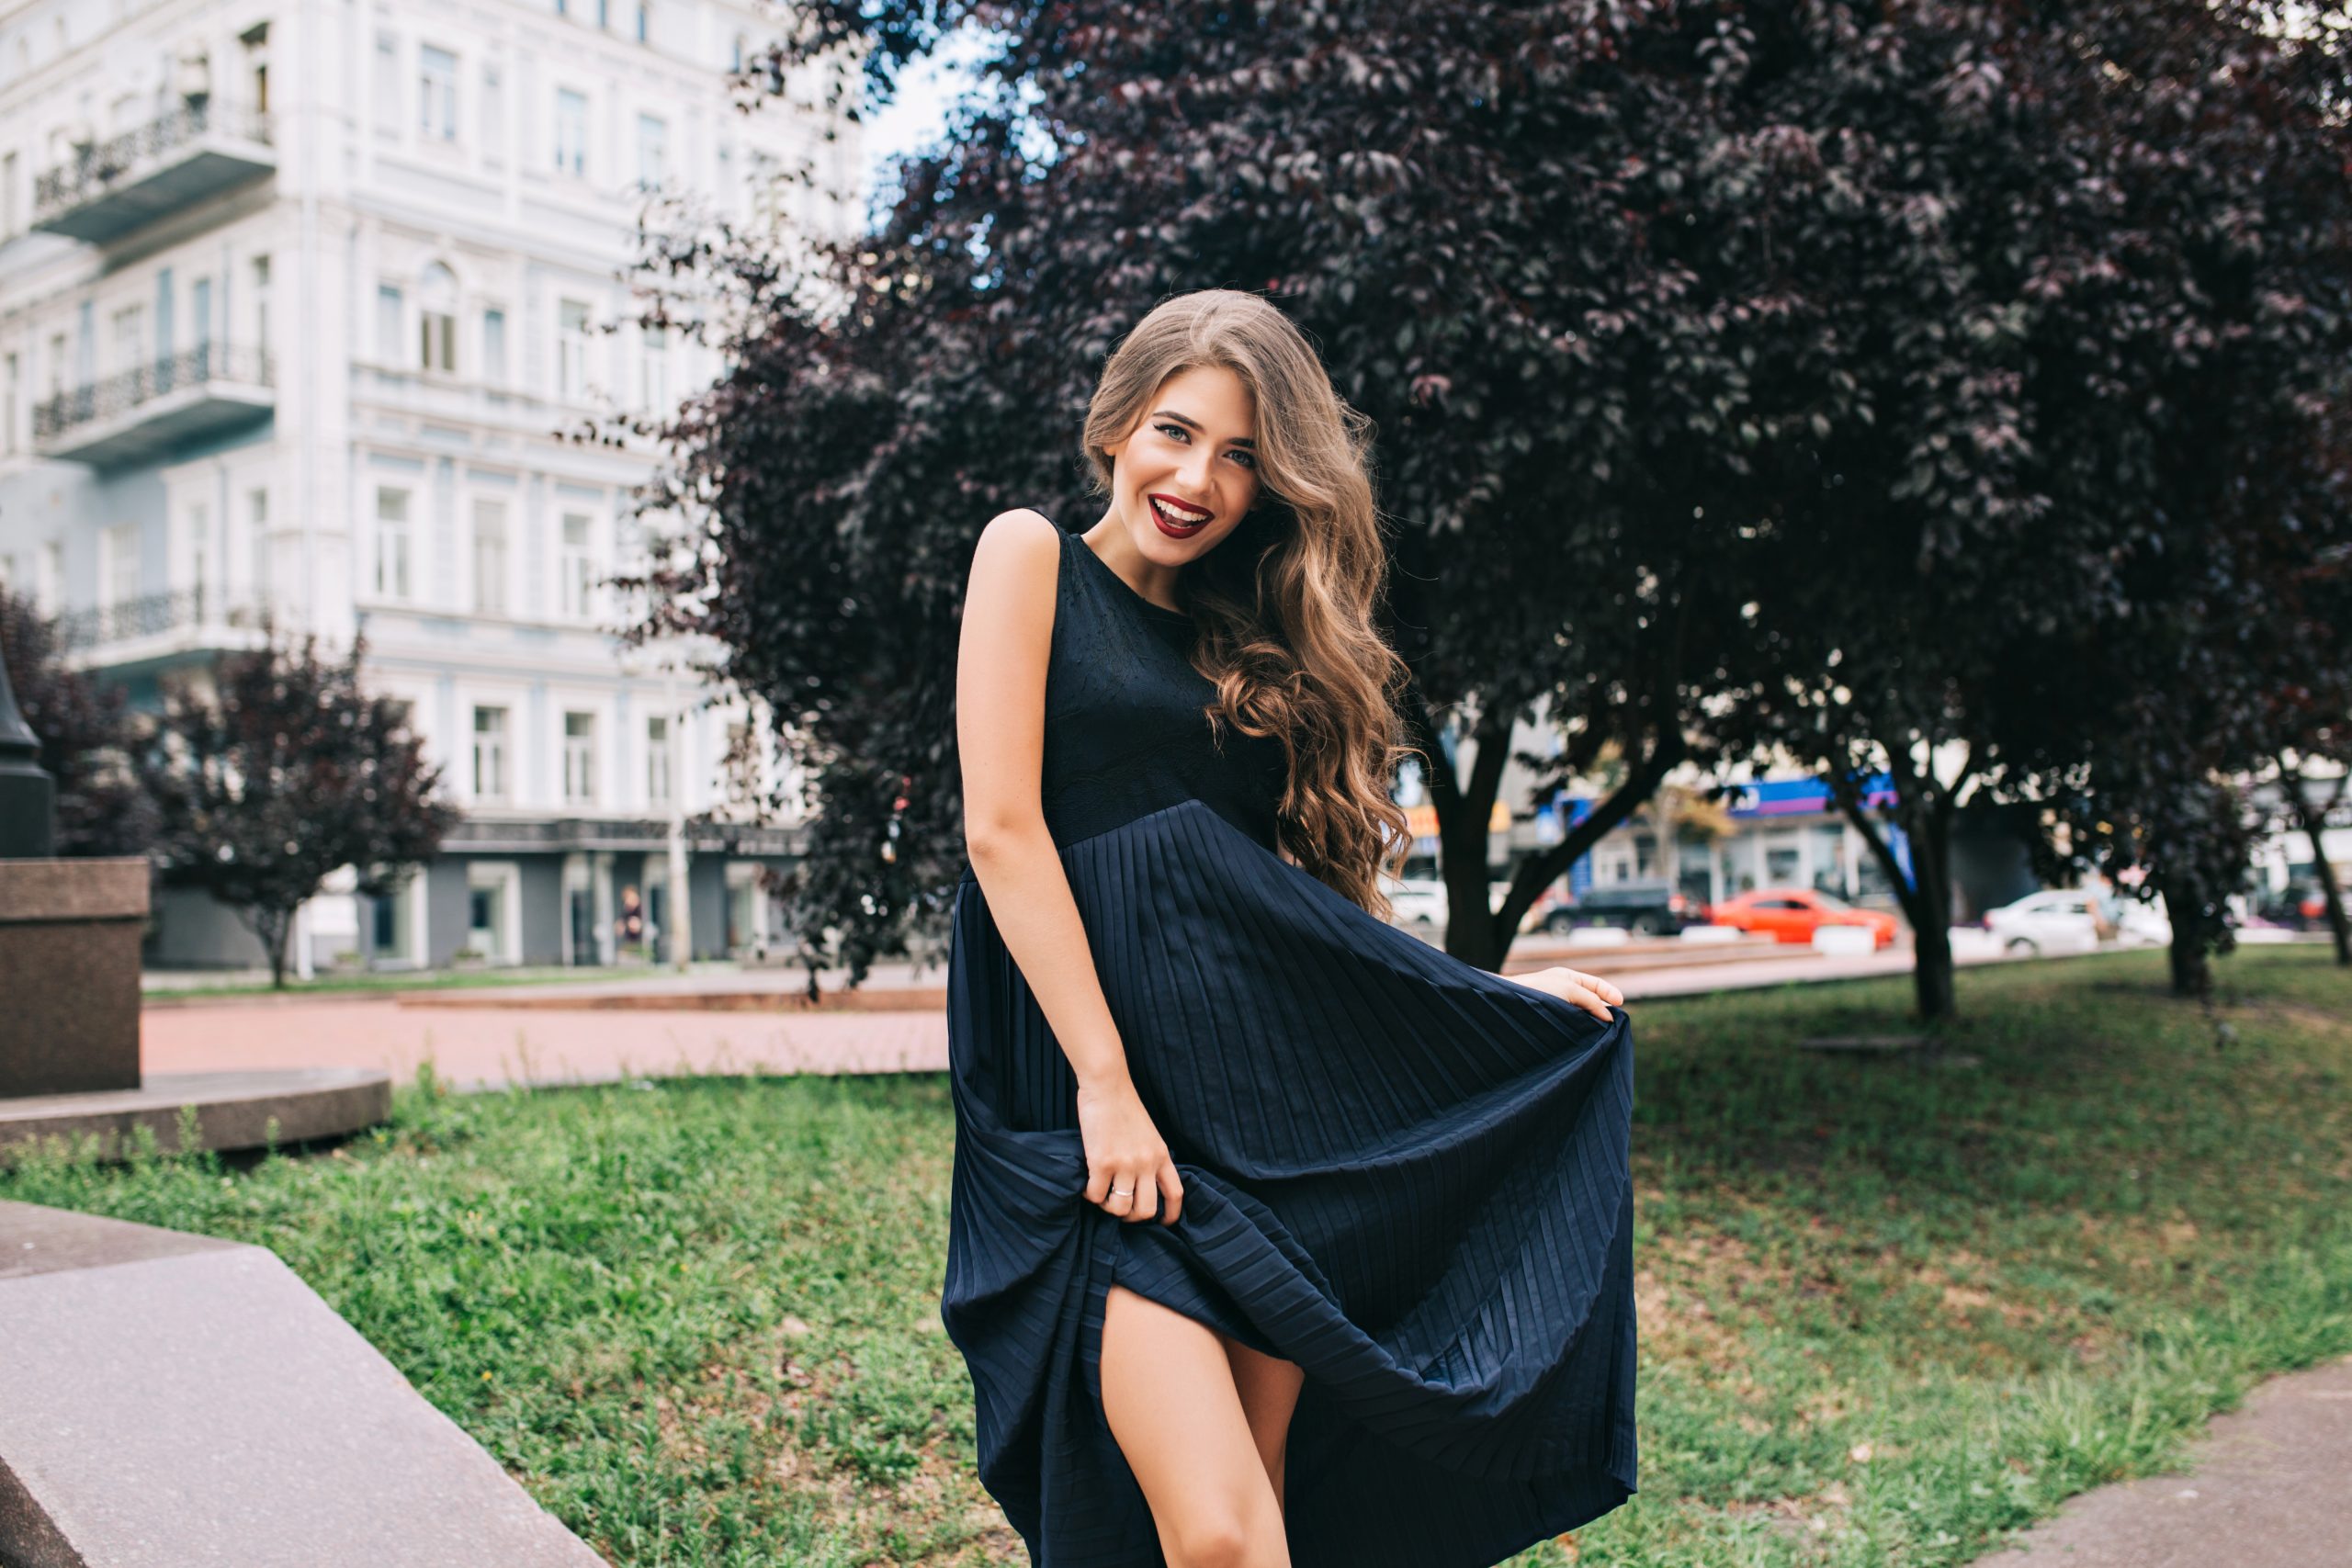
(1403, 1173)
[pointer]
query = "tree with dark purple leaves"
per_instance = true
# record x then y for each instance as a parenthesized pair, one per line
(1757, 379)
(280, 770)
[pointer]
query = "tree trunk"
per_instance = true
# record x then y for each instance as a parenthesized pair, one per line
(1932, 984)
(1925, 895)
(2333, 892)
(2315, 823)
(274, 929)
(2192, 948)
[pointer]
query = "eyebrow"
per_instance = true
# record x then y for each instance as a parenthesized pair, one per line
(1196, 424)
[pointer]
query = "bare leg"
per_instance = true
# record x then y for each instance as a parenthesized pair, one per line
(1168, 1394)
(1269, 1388)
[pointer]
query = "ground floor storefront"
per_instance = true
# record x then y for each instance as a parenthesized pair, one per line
(567, 893)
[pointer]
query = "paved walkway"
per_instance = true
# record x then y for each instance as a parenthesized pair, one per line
(529, 1033)
(2268, 1486)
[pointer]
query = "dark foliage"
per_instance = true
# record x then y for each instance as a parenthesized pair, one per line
(1804, 377)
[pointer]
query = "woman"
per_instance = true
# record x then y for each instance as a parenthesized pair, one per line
(1277, 1235)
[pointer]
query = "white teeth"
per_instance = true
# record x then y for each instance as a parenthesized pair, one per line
(1179, 519)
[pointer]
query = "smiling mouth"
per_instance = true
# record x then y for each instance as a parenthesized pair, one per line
(1176, 518)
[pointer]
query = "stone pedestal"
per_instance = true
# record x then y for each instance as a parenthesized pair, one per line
(70, 933)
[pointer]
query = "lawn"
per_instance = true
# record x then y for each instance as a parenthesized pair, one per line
(1890, 1307)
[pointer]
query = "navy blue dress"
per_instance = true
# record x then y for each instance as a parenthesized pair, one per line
(1403, 1173)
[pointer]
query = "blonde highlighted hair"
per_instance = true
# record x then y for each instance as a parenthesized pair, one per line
(1284, 603)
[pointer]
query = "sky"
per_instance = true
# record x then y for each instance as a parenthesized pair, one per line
(917, 118)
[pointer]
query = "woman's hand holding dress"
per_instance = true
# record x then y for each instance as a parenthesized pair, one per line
(1123, 1150)
(1591, 992)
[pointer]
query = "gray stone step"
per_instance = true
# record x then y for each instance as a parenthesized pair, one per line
(175, 1401)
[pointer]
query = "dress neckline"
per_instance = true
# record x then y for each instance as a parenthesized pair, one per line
(1079, 543)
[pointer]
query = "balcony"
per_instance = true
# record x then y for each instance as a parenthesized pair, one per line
(208, 390)
(159, 630)
(197, 151)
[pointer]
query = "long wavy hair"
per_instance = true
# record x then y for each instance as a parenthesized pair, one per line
(1284, 604)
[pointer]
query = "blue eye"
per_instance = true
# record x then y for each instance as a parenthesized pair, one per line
(1180, 433)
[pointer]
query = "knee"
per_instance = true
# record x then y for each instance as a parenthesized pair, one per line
(1217, 1542)
(1229, 1538)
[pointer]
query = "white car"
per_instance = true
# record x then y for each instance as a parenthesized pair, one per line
(1415, 901)
(2143, 925)
(2055, 921)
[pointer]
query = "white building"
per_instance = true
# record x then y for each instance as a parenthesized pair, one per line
(295, 297)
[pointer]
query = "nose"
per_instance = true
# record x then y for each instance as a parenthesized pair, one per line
(1195, 470)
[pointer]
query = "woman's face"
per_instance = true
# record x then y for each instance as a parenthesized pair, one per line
(1193, 453)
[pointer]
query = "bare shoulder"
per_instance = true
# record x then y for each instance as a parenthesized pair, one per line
(1022, 532)
(1016, 563)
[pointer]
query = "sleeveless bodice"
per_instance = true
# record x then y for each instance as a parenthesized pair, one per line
(1126, 724)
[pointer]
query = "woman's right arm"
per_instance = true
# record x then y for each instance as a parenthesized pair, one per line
(1000, 731)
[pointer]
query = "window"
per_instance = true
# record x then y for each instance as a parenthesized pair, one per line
(261, 310)
(493, 116)
(741, 762)
(735, 61)
(257, 538)
(437, 94)
(766, 182)
(438, 339)
(651, 136)
(570, 131)
(657, 370)
(7, 196)
(390, 310)
(391, 542)
(199, 295)
(199, 554)
(494, 348)
(490, 753)
(579, 758)
(130, 337)
(604, 13)
(490, 556)
(437, 319)
(644, 21)
(121, 574)
(578, 569)
(10, 392)
(388, 84)
(657, 761)
(50, 587)
(571, 350)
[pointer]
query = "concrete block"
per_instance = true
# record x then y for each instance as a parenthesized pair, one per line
(170, 1401)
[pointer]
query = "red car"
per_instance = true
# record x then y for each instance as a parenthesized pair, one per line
(1792, 914)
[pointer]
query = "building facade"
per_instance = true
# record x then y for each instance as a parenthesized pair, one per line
(301, 304)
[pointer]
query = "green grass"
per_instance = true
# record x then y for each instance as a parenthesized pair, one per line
(1890, 1308)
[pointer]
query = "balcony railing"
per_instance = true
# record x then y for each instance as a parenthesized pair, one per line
(153, 616)
(112, 186)
(197, 391)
